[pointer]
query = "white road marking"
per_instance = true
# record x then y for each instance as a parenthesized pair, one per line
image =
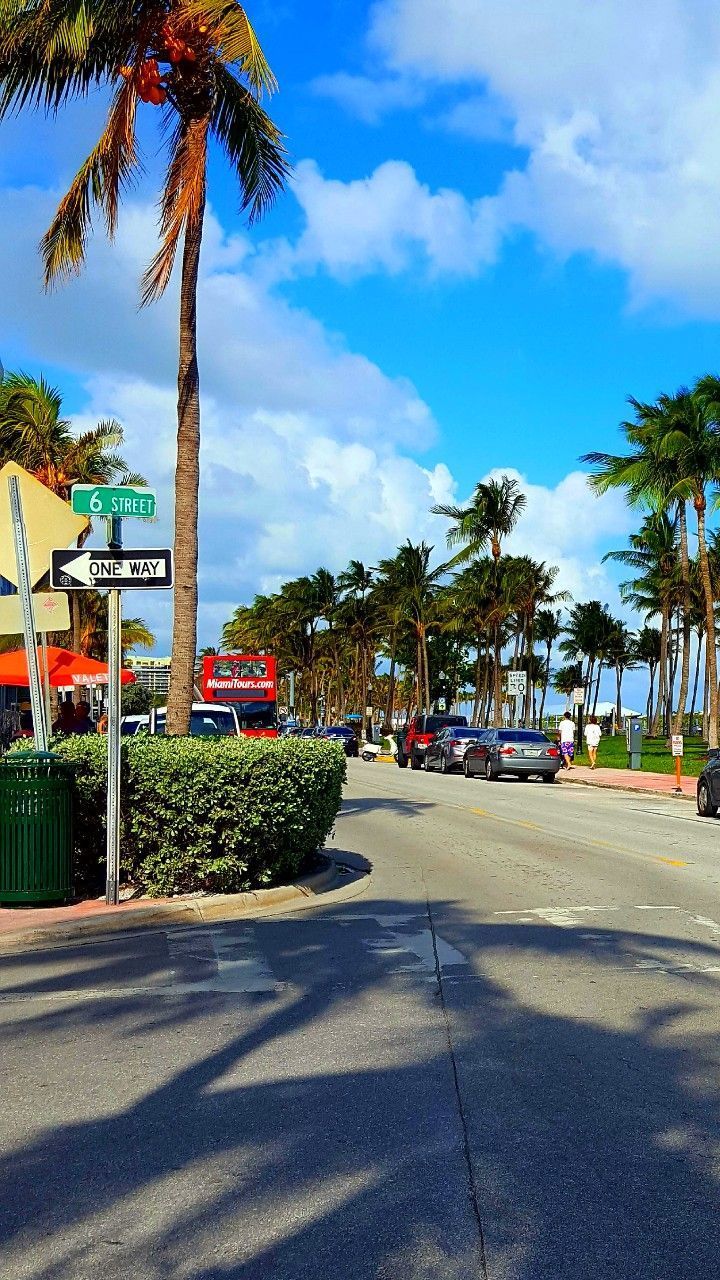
(418, 944)
(239, 966)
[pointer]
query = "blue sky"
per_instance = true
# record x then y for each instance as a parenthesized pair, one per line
(502, 222)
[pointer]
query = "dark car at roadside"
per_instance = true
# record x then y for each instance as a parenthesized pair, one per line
(342, 733)
(520, 753)
(708, 787)
(446, 751)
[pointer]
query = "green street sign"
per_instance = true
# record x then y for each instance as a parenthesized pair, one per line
(113, 500)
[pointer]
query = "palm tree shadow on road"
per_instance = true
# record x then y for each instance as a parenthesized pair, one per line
(257, 1152)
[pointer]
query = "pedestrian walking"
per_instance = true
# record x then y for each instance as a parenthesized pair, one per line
(593, 734)
(567, 740)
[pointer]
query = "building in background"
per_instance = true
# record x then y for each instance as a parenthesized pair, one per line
(152, 674)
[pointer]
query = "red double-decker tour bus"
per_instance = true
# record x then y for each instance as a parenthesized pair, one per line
(248, 682)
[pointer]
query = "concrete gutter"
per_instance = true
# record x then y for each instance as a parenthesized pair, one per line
(328, 885)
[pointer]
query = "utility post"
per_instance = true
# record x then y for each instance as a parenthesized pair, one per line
(112, 886)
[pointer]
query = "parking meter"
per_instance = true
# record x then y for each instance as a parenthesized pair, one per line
(633, 737)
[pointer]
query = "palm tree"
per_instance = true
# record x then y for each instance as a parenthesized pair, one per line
(534, 588)
(135, 633)
(586, 632)
(675, 458)
(648, 650)
(391, 614)
(653, 552)
(200, 62)
(493, 512)
(547, 632)
(34, 434)
(619, 652)
(471, 605)
(417, 586)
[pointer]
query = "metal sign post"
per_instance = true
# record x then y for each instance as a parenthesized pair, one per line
(40, 727)
(677, 743)
(112, 888)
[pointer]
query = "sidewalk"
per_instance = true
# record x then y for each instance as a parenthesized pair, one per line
(333, 881)
(629, 780)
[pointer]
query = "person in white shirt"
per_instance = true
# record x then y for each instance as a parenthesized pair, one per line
(593, 734)
(567, 740)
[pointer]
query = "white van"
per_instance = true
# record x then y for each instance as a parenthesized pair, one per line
(207, 719)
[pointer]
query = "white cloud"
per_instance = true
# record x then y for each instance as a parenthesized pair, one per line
(304, 441)
(368, 99)
(306, 445)
(389, 221)
(616, 105)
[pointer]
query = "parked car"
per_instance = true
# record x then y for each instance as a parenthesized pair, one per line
(412, 742)
(311, 731)
(708, 787)
(342, 733)
(207, 719)
(521, 753)
(446, 751)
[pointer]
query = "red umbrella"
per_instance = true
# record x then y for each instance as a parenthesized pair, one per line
(65, 668)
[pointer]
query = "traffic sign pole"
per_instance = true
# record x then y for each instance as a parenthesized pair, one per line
(112, 887)
(40, 726)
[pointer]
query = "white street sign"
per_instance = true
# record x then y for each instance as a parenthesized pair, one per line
(578, 696)
(118, 570)
(678, 744)
(516, 683)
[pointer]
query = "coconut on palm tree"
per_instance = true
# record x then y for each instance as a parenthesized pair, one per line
(198, 64)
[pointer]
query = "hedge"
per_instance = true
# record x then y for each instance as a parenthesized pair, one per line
(206, 814)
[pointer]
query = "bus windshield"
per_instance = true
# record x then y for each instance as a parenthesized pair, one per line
(256, 715)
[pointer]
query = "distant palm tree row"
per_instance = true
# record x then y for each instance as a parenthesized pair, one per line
(440, 629)
(450, 632)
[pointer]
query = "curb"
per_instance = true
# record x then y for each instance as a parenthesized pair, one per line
(619, 786)
(320, 888)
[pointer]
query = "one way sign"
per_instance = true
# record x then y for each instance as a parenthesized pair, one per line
(122, 570)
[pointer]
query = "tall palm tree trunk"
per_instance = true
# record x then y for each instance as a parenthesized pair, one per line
(530, 692)
(497, 672)
(686, 620)
(187, 484)
(426, 670)
(597, 686)
(485, 697)
(478, 680)
(697, 677)
(390, 704)
(662, 671)
(710, 650)
(546, 681)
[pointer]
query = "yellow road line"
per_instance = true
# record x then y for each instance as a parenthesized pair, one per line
(596, 844)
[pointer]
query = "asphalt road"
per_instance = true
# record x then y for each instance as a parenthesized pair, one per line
(501, 1060)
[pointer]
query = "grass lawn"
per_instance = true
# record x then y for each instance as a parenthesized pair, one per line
(656, 757)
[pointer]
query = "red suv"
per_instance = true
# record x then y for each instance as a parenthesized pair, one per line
(412, 742)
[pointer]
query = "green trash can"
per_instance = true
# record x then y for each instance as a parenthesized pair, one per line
(36, 837)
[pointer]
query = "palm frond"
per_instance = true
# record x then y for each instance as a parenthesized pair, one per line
(252, 143)
(99, 181)
(181, 203)
(230, 32)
